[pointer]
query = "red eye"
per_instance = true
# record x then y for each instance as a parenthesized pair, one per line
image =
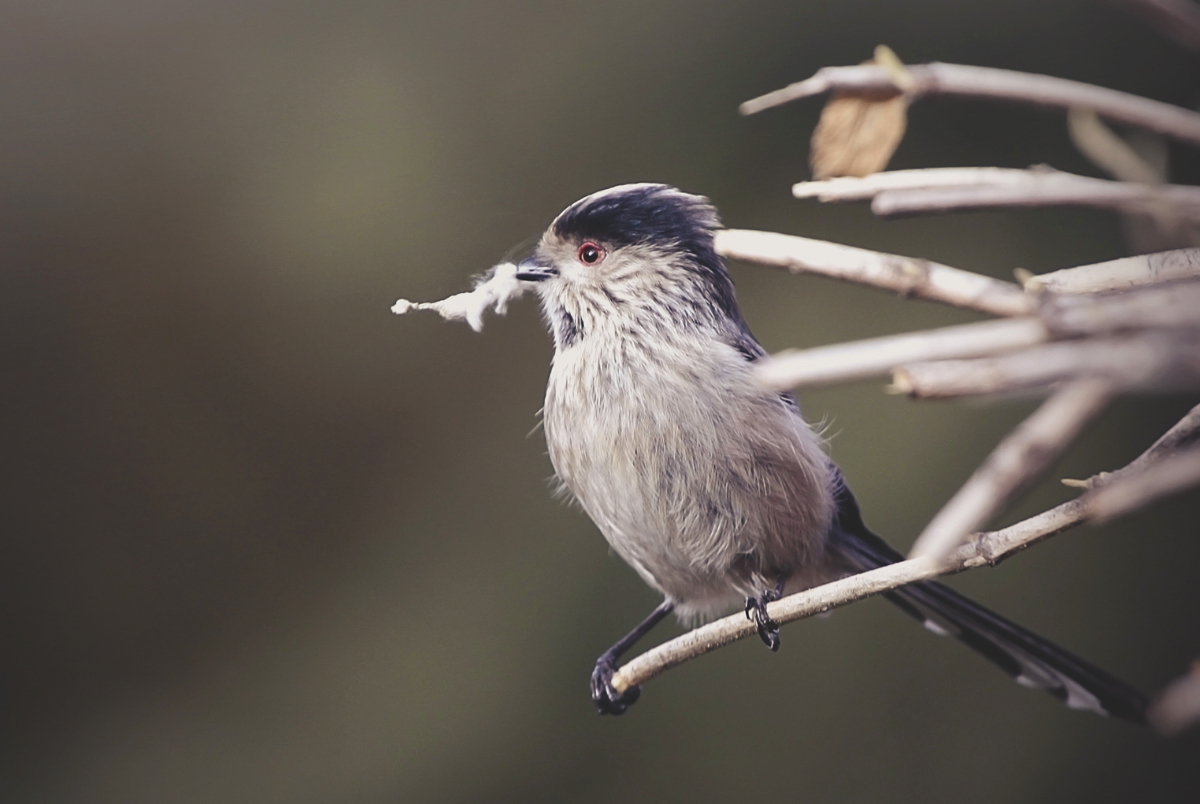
(590, 253)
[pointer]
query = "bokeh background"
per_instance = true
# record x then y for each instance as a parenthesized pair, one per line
(266, 542)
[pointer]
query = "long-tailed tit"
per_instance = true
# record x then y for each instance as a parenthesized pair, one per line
(711, 486)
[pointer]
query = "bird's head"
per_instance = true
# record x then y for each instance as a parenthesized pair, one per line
(636, 254)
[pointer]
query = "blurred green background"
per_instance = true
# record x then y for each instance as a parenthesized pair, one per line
(266, 542)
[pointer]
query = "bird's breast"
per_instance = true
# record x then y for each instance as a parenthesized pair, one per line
(700, 478)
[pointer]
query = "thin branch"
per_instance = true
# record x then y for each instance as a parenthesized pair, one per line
(875, 357)
(818, 600)
(1122, 274)
(1175, 19)
(1178, 706)
(1107, 151)
(905, 275)
(860, 188)
(1148, 362)
(984, 549)
(1165, 306)
(1013, 465)
(1049, 523)
(1185, 433)
(907, 192)
(985, 82)
(1045, 190)
(1177, 473)
(1176, 305)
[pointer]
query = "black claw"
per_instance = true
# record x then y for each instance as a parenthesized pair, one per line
(756, 610)
(605, 696)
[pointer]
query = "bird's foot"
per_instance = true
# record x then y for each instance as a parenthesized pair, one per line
(756, 611)
(605, 696)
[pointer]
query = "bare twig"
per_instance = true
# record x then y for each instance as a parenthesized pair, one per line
(1165, 306)
(852, 188)
(1151, 361)
(1122, 274)
(906, 192)
(1157, 222)
(1015, 463)
(1175, 474)
(1185, 433)
(1107, 151)
(905, 275)
(1045, 189)
(1161, 306)
(1178, 706)
(1146, 336)
(860, 360)
(985, 82)
(1176, 19)
(985, 549)
(1001, 544)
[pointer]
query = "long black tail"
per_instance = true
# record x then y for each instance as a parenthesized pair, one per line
(1027, 657)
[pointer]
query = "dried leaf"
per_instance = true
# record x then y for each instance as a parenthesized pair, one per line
(857, 133)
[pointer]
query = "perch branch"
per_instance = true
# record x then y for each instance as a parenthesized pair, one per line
(905, 275)
(985, 82)
(719, 633)
(985, 548)
(1016, 462)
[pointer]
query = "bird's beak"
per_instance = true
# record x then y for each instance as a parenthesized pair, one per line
(530, 271)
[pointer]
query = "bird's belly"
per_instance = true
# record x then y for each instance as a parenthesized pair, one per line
(709, 495)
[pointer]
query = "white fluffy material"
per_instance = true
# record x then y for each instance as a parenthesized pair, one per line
(494, 290)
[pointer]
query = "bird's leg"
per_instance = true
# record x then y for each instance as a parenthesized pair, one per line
(604, 695)
(756, 610)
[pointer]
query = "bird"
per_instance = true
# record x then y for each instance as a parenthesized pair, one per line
(711, 486)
